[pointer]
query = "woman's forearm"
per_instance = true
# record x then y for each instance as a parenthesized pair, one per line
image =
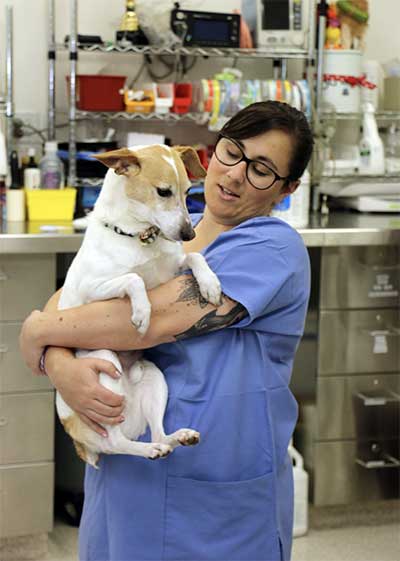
(105, 324)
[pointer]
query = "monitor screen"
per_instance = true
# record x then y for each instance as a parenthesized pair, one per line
(275, 14)
(209, 30)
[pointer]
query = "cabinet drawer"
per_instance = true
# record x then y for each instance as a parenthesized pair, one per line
(360, 277)
(26, 283)
(26, 499)
(357, 341)
(339, 479)
(14, 375)
(26, 427)
(358, 407)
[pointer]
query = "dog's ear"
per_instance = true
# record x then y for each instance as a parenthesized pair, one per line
(120, 160)
(191, 160)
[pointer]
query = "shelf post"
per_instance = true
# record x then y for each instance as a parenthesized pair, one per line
(51, 55)
(73, 59)
(9, 81)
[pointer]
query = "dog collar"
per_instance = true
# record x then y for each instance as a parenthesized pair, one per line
(146, 237)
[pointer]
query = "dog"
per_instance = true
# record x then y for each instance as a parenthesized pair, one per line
(134, 243)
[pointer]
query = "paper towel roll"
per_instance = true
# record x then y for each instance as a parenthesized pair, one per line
(15, 205)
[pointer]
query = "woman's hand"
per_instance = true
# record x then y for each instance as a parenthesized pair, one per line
(77, 380)
(29, 341)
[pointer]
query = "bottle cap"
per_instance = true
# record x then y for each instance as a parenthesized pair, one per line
(31, 152)
(50, 146)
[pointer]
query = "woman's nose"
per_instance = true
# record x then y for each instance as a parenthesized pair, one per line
(237, 172)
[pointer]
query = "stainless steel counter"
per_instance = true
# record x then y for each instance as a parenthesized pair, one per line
(336, 229)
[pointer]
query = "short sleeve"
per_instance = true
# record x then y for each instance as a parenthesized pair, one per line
(262, 264)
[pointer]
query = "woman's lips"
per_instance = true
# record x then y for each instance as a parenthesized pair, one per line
(227, 194)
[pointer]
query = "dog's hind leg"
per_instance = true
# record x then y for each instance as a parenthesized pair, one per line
(153, 392)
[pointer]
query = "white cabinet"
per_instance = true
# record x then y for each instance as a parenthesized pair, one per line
(26, 403)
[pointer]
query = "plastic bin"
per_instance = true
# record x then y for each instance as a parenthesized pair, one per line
(182, 97)
(99, 93)
(164, 97)
(50, 204)
(146, 105)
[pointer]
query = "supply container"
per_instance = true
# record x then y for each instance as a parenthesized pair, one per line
(164, 97)
(51, 168)
(140, 100)
(99, 93)
(51, 204)
(300, 480)
(295, 208)
(391, 100)
(342, 75)
(15, 204)
(182, 97)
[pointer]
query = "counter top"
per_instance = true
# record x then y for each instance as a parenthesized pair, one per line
(336, 229)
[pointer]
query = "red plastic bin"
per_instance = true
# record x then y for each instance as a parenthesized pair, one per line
(99, 93)
(182, 97)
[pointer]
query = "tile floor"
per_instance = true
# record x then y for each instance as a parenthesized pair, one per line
(363, 543)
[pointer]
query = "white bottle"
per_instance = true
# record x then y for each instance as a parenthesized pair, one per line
(51, 168)
(300, 477)
(372, 154)
(295, 208)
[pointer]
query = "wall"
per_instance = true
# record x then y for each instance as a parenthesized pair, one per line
(98, 17)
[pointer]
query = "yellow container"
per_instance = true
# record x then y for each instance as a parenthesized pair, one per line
(51, 204)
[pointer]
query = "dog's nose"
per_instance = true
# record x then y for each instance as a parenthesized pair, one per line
(187, 233)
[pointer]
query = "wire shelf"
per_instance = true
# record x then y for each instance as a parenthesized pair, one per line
(358, 178)
(262, 53)
(123, 115)
(380, 115)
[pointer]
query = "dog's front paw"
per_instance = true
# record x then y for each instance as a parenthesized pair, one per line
(141, 318)
(187, 437)
(157, 451)
(210, 289)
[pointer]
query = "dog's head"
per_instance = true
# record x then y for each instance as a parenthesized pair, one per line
(155, 183)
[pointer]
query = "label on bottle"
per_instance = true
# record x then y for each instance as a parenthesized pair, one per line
(52, 180)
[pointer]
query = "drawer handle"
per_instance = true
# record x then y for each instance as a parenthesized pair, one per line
(3, 421)
(387, 461)
(3, 348)
(386, 331)
(3, 276)
(374, 400)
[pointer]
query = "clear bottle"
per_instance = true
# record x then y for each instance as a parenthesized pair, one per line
(392, 150)
(51, 168)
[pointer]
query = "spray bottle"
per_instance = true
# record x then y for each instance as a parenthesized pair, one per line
(372, 154)
(300, 477)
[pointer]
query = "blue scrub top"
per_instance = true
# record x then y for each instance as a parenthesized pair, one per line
(229, 498)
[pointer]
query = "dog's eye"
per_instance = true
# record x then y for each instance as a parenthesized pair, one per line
(164, 192)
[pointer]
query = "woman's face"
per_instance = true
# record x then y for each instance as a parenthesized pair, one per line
(230, 197)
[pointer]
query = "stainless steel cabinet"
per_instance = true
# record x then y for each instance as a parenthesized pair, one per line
(349, 422)
(26, 403)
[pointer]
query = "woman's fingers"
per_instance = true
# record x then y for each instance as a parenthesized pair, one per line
(105, 366)
(93, 425)
(113, 413)
(108, 397)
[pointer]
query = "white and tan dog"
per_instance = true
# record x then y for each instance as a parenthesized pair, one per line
(133, 243)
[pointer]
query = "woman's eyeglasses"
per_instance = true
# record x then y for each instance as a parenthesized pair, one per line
(258, 174)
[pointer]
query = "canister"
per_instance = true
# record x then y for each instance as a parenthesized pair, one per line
(342, 69)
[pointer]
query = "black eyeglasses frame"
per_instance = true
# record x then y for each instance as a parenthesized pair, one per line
(248, 162)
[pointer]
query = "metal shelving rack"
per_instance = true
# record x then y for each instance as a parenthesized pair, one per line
(74, 48)
(7, 104)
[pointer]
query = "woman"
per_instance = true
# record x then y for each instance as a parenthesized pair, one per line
(227, 368)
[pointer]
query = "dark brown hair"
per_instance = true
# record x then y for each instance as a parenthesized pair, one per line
(264, 116)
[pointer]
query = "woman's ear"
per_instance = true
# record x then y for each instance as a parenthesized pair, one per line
(290, 187)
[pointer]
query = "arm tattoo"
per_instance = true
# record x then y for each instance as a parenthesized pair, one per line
(191, 292)
(210, 321)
